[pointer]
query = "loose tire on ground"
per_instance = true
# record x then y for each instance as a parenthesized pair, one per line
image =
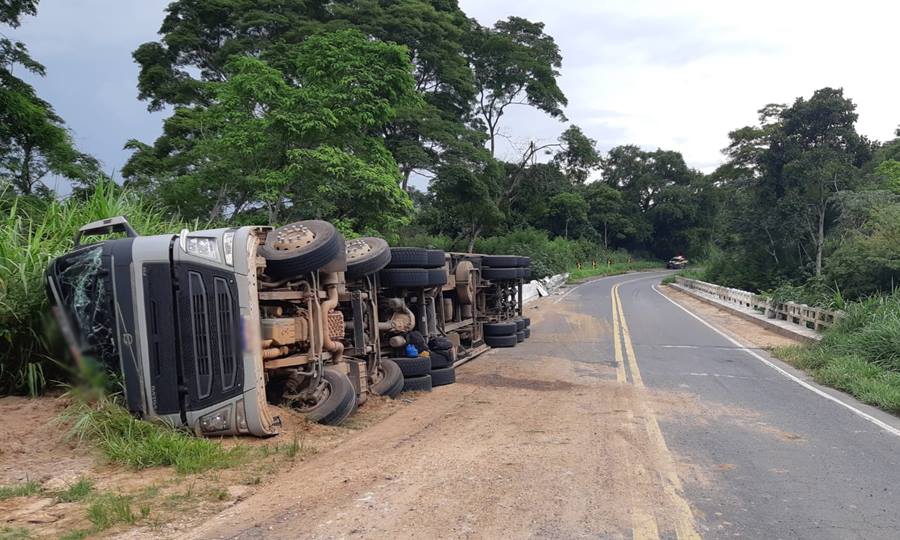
(443, 376)
(417, 384)
(337, 405)
(501, 341)
(499, 328)
(366, 256)
(500, 273)
(413, 367)
(391, 382)
(300, 248)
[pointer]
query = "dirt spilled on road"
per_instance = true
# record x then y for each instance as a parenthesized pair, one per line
(524, 445)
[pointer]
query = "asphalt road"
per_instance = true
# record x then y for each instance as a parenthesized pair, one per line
(774, 459)
(623, 416)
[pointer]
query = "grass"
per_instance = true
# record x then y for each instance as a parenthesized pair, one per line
(613, 269)
(33, 231)
(25, 489)
(110, 509)
(698, 273)
(76, 492)
(140, 444)
(14, 533)
(860, 355)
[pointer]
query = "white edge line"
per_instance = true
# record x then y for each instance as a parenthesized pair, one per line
(883, 425)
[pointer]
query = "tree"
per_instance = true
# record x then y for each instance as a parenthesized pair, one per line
(200, 36)
(515, 63)
(297, 143)
(606, 213)
(33, 138)
(569, 208)
(464, 197)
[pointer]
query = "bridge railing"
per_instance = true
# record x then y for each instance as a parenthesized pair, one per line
(814, 318)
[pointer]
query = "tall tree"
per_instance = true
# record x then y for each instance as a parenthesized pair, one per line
(34, 140)
(515, 63)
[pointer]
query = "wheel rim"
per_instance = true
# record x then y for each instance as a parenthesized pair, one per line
(357, 249)
(293, 236)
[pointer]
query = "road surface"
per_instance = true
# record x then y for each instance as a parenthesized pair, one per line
(623, 416)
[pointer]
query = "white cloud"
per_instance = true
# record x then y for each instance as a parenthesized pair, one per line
(681, 75)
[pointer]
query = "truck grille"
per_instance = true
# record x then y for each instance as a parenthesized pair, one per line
(225, 320)
(200, 324)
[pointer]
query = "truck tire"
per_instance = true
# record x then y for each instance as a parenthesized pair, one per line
(501, 341)
(391, 382)
(413, 277)
(524, 261)
(413, 367)
(527, 333)
(435, 258)
(443, 376)
(500, 273)
(338, 405)
(417, 384)
(520, 336)
(408, 257)
(300, 248)
(499, 328)
(520, 324)
(527, 322)
(500, 261)
(366, 256)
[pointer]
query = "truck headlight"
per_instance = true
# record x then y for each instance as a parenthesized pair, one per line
(228, 247)
(203, 246)
(217, 420)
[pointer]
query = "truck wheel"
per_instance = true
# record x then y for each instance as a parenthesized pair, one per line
(520, 336)
(443, 376)
(413, 367)
(501, 261)
(391, 382)
(366, 256)
(499, 328)
(417, 384)
(501, 341)
(520, 324)
(500, 273)
(409, 257)
(300, 248)
(527, 333)
(435, 258)
(525, 261)
(338, 400)
(527, 322)
(413, 277)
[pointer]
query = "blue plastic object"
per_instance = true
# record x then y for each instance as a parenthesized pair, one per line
(411, 351)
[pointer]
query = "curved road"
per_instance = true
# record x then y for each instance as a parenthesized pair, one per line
(624, 416)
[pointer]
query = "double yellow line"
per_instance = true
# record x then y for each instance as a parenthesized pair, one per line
(643, 523)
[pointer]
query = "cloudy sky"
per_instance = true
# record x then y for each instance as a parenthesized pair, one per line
(675, 75)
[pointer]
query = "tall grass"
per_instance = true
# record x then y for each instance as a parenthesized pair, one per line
(860, 354)
(32, 232)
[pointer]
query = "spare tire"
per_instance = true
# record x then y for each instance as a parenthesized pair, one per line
(500, 261)
(338, 403)
(413, 367)
(443, 376)
(300, 248)
(408, 257)
(417, 384)
(500, 273)
(390, 383)
(501, 341)
(500, 328)
(366, 256)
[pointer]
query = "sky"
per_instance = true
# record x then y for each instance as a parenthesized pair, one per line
(655, 73)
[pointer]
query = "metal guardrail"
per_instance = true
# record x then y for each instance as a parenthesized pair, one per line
(814, 318)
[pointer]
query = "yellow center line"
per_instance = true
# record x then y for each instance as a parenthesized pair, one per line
(684, 519)
(620, 362)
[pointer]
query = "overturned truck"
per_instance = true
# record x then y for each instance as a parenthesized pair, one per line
(205, 329)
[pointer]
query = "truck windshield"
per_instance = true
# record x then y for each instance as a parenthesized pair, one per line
(83, 280)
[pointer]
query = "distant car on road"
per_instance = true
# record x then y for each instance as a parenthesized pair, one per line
(677, 263)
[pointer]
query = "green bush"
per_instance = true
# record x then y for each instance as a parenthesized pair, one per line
(32, 232)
